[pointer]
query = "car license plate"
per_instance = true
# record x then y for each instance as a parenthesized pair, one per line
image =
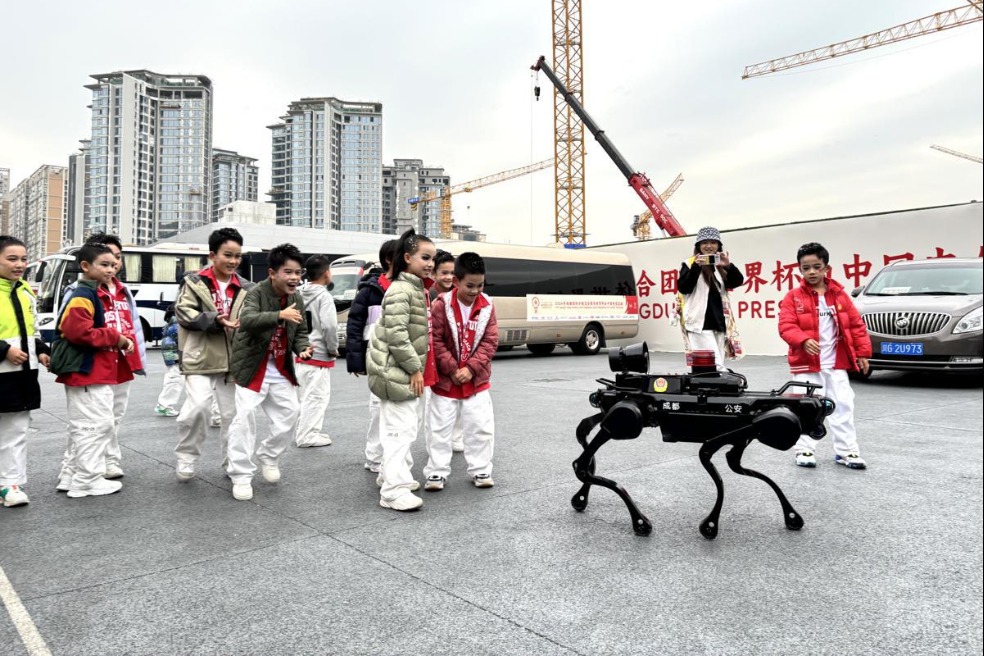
(902, 348)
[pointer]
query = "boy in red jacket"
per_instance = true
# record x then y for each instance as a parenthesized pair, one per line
(827, 338)
(465, 337)
(93, 352)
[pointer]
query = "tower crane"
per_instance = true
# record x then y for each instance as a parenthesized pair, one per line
(570, 222)
(640, 222)
(944, 20)
(956, 153)
(445, 193)
(638, 181)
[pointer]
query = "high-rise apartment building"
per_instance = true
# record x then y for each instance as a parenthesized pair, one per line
(37, 211)
(234, 177)
(327, 161)
(4, 202)
(149, 159)
(407, 179)
(76, 211)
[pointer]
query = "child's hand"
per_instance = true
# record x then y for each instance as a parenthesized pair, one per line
(417, 383)
(45, 360)
(306, 353)
(462, 376)
(16, 356)
(812, 347)
(291, 314)
(863, 365)
(125, 345)
(226, 323)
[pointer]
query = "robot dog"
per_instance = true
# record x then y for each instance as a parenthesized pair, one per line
(708, 407)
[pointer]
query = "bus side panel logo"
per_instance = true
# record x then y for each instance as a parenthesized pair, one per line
(660, 385)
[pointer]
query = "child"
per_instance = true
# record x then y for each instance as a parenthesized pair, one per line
(313, 373)
(271, 327)
(173, 380)
(443, 283)
(465, 339)
(362, 316)
(126, 307)
(21, 349)
(93, 352)
(396, 358)
(827, 338)
(207, 308)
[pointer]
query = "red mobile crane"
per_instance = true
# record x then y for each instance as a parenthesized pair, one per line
(638, 181)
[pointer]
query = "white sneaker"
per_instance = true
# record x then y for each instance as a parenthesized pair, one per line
(113, 472)
(483, 480)
(414, 485)
(457, 446)
(242, 491)
(403, 502)
(434, 483)
(851, 460)
(371, 466)
(271, 473)
(320, 439)
(185, 472)
(64, 484)
(97, 489)
(806, 459)
(215, 422)
(13, 495)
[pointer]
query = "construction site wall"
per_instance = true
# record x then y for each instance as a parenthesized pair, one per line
(859, 246)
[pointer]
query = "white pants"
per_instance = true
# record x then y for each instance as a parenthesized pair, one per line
(279, 403)
(112, 453)
(397, 431)
(91, 427)
(203, 391)
(836, 387)
(709, 340)
(315, 393)
(374, 450)
(13, 447)
(478, 433)
(174, 384)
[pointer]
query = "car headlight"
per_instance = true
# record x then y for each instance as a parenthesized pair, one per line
(971, 321)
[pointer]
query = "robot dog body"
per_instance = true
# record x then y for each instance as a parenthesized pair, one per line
(711, 408)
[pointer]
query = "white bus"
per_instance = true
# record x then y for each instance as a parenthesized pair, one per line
(544, 297)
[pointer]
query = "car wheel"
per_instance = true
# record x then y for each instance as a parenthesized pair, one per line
(590, 342)
(541, 349)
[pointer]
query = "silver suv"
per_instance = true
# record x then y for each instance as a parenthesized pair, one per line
(925, 315)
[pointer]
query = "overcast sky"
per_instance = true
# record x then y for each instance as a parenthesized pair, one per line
(662, 79)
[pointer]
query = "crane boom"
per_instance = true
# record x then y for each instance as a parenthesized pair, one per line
(638, 181)
(445, 193)
(956, 153)
(640, 223)
(944, 20)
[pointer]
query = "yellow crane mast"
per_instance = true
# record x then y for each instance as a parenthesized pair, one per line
(569, 191)
(640, 222)
(467, 187)
(944, 20)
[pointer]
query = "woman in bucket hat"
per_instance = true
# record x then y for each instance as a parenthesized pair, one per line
(704, 308)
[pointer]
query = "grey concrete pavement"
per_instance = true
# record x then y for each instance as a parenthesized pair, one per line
(890, 559)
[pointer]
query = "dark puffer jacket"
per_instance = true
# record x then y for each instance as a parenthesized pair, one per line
(257, 321)
(370, 295)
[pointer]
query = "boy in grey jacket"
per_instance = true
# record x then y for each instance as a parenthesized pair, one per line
(313, 374)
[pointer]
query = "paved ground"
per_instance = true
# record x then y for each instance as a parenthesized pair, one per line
(890, 559)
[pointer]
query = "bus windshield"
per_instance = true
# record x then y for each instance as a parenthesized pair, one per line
(59, 273)
(345, 284)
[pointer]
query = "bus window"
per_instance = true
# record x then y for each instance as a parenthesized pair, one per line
(130, 273)
(508, 277)
(606, 279)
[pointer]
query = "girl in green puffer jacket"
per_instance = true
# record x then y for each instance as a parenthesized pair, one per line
(395, 364)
